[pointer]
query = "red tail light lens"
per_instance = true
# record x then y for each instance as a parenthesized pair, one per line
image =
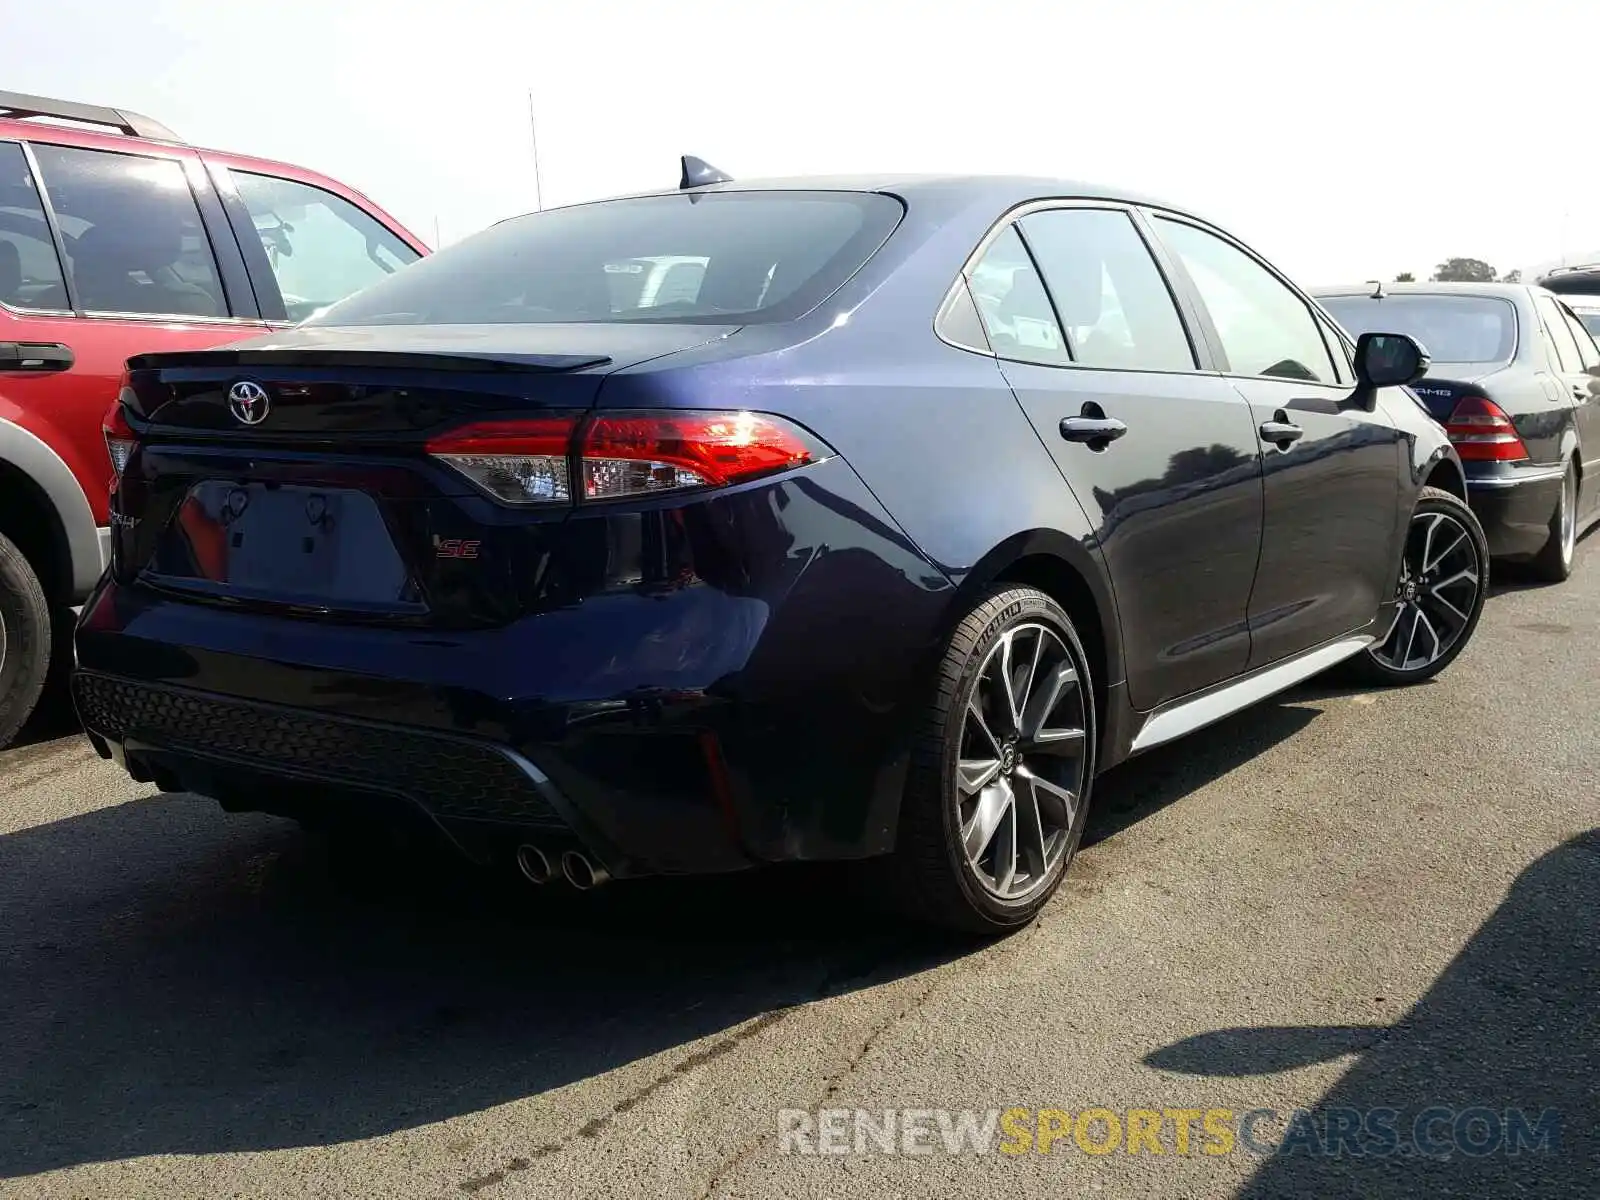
(639, 454)
(623, 454)
(1482, 432)
(119, 435)
(516, 462)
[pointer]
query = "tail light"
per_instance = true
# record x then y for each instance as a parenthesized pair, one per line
(618, 455)
(1482, 432)
(516, 462)
(638, 454)
(119, 435)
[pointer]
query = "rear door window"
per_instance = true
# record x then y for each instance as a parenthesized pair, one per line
(30, 270)
(1588, 354)
(134, 239)
(716, 258)
(1561, 339)
(1108, 291)
(320, 246)
(1013, 304)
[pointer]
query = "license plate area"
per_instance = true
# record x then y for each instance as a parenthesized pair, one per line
(327, 548)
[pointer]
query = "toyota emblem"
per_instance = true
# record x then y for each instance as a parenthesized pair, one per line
(249, 402)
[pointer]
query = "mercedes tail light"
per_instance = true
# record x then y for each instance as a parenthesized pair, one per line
(1482, 432)
(613, 456)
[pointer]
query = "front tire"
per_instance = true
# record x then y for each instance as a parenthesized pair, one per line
(25, 629)
(1002, 769)
(1444, 578)
(1554, 563)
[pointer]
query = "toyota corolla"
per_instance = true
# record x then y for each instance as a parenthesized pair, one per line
(751, 522)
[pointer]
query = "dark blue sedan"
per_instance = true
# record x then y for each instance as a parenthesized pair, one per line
(747, 522)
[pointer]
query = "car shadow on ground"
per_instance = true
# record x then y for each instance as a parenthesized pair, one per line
(178, 981)
(1144, 785)
(1511, 1025)
(54, 718)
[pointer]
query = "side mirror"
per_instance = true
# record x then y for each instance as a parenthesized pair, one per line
(1389, 359)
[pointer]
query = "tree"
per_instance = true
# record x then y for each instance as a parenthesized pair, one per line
(1464, 270)
(1405, 277)
(1511, 277)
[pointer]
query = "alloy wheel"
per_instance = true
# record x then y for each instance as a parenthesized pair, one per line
(1569, 516)
(1020, 769)
(1440, 578)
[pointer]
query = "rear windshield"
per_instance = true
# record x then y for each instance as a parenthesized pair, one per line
(1456, 329)
(709, 258)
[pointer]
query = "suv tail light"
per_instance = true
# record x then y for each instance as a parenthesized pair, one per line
(1482, 432)
(119, 435)
(618, 455)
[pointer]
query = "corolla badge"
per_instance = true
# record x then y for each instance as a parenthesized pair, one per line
(249, 402)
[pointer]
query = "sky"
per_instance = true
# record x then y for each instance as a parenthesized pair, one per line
(1345, 141)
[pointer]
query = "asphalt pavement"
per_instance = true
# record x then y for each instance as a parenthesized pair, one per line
(1340, 902)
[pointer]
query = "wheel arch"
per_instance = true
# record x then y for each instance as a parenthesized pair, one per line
(31, 523)
(1445, 474)
(1571, 450)
(44, 511)
(1071, 574)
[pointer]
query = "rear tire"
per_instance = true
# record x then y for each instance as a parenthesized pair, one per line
(991, 819)
(1444, 546)
(25, 640)
(1553, 564)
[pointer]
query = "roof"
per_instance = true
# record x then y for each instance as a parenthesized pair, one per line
(1022, 186)
(1001, 191)
(22, 107)
(1507, 290)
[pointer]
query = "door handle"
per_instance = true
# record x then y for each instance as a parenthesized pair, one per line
(1092, 429)
(35, 356)
(1281, 431)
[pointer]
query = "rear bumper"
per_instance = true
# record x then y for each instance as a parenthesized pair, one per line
(274, 758)
(684, 729)
(1515, 509)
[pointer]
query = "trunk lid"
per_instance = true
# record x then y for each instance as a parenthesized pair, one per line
(1445, 383)
(388, 383)
(312, 493)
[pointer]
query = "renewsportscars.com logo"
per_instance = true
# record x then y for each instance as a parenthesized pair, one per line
(1433, 1132)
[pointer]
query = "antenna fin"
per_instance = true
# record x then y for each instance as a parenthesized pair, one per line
(697, 172)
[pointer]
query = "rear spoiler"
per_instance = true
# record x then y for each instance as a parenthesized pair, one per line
(536, 364)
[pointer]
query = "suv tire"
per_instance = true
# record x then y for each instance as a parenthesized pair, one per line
(25, 639)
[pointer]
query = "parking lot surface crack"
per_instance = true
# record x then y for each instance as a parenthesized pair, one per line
(595, 1126)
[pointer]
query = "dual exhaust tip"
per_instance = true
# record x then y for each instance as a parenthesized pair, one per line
(577, 868)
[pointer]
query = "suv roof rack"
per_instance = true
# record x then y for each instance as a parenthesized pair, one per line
(18, 105)
(1591, 266)
(1582, 279)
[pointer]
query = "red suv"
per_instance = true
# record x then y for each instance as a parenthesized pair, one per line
(117, 238)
